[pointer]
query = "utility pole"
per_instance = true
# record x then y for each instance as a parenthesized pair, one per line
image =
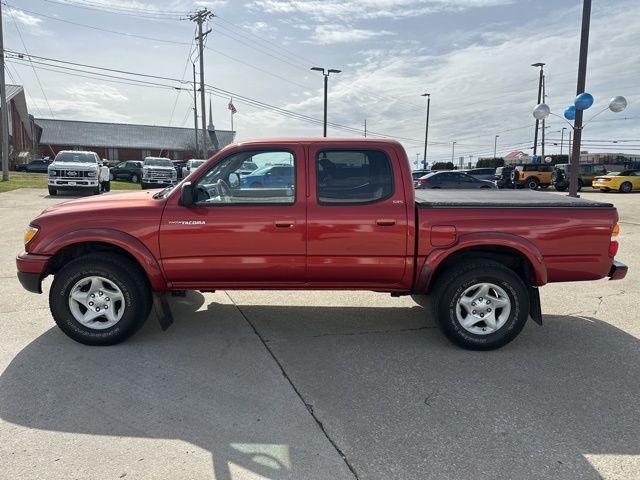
(426, 129)
(365, 128)
(535, 135)
(569, 150)
(195, 111)
(581, 84)
(4, 121)
(200, 17)
(495, 146)
(453, 151)
(562, 139)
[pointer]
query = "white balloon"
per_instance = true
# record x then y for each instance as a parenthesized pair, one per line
(618, 104)
(541, 112)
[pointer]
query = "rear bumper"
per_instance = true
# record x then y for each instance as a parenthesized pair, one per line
(618, 271)
(31, 270)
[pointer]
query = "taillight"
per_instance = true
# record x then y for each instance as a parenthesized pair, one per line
(613, 244)
(422, 182)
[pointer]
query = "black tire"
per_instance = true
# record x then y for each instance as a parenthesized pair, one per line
(626, 187)
(532, 183)
(134, 178)
(580, 184)
(452, 283)
(561, 187)
(96, 191)
(122, 272)
(144, 186)
(53, 192)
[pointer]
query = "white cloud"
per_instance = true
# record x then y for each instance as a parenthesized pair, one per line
(83, 110)
(95, 91)
(362, 9)
(328, 34)
(25, 19)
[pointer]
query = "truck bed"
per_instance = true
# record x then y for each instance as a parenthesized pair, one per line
(500, 199)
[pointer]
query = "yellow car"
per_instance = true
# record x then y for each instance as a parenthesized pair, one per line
(624, 181)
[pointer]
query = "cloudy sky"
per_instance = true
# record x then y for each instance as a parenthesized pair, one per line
(473, 56)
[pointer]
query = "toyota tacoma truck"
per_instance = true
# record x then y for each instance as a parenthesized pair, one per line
(74, 170)
(347, 218)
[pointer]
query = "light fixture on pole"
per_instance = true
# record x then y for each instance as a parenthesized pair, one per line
(325, 74)
(426, 129)
(495, 146)
(535, 135)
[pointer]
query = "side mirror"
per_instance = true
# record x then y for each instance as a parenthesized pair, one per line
(186, 195)
(234, 179)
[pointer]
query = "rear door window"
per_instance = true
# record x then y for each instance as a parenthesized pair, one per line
(353, 176)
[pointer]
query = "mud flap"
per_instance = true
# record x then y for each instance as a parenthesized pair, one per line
(535, 307)
(163, 311)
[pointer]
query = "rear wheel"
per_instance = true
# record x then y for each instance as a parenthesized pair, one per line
(100, 299)
(480, 305)
(560, 187)
(53, 192)
(96, 191)
(134, 178)
(531, 183)
(626, 187)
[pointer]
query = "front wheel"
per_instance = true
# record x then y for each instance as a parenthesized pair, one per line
(134, 178)
(53, 192)
(100, 299)
(560, 187)
(480, 305)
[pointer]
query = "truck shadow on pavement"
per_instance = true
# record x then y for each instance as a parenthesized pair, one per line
(397, 399)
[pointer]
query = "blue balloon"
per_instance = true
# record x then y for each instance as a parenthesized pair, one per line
(583, 101)
(570, 113)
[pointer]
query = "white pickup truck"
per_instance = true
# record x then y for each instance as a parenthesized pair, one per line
(74, 170)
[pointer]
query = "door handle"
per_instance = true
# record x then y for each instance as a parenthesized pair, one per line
(284, 223)
(385, 222)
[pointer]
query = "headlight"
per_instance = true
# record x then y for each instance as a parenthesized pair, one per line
(29, 234)
(52, 173)
(91, 174)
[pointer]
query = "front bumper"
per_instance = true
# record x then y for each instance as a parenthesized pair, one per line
(73, 184)
(31, 271)
(618, 271)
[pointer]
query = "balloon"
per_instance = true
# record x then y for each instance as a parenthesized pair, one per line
(583, 101)
(617, 104)
(541, 112)
(570, 113)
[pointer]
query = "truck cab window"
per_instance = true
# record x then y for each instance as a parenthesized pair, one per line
(353, 176)
(230, 182)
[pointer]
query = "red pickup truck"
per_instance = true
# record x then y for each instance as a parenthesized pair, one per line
(325, 214)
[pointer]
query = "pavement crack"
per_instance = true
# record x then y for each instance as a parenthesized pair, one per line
(307, 405)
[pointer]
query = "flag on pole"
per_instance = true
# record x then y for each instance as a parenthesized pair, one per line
(232, 107)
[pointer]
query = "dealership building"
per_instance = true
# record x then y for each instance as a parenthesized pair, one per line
(125, 141)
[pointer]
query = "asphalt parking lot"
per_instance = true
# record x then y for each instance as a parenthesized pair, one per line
(322, 385)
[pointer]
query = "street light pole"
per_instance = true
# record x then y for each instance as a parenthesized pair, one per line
(426, 129)
(453, 151)
(325, 74)
(535, 135)
(495, 146)
(580, 87)
(562, 139)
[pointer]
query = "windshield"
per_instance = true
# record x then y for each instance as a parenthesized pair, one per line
(158, 162)
(75, 157)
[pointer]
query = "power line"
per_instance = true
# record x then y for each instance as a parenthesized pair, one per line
(138, 13)
(93, 27)
(24, 45)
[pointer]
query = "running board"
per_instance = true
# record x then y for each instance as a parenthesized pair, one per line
(163, 311)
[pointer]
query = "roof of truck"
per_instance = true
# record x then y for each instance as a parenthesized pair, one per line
(332, 140)
(482, 198)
